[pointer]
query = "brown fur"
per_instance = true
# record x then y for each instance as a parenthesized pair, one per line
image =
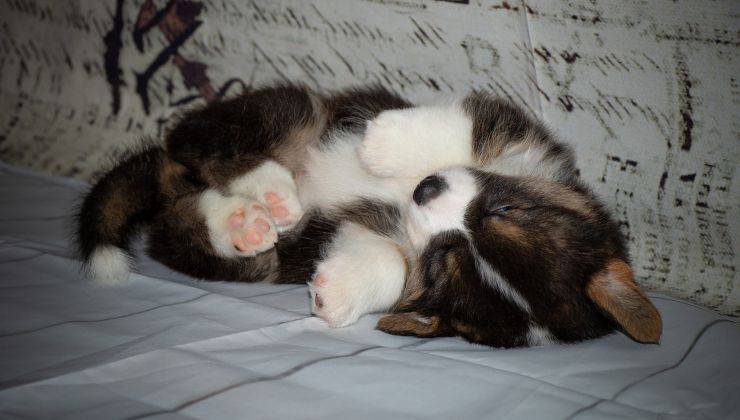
(293, 153)
(510, 230)
(413, 323)
(615, 291)
(377, 216)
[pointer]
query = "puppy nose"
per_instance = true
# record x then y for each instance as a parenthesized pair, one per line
(428, 189)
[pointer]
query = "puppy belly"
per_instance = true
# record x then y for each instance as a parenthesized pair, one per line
(362, 273)
(335, 177)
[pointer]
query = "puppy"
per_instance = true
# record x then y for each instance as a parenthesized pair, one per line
(461, 219)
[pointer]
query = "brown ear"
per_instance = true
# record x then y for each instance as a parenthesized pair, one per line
(413, 323)
(614, 291)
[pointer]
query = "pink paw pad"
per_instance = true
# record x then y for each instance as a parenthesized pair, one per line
(280, 211)
(250, 230)
(318, 281)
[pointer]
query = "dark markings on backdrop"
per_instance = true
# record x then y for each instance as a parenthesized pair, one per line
(177, 21)
(113, 45)
(142, 79)
(685, 101)
(146, 21)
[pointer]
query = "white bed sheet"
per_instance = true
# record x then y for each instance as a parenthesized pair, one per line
(165, 346)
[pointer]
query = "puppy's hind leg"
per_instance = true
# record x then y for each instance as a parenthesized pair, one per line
(362, 273)
(212, 236)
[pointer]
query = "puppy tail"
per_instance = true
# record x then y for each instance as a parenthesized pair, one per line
(113, 211)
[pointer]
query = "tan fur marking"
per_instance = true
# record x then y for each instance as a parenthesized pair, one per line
(466, 330)
(615, 292)
(171, 178)
(561, 195)
(293, 155)
(413, 288)
(115, 208)
(452, 266)
(493, 147)
(509, 229)
(184, 210)
(412, 323)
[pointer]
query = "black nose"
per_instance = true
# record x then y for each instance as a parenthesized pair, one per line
(429, 188)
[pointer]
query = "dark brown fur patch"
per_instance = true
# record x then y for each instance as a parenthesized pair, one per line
(378, 216)
(351, 109)
(300, 251)
(119, 202)
(292, 153)
(179, 238)
(498, 124)
(226, 139)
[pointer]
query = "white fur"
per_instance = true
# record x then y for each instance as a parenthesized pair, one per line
(109, 265)
(445, 212)
(416, 141)
(216, 209)
(333, 177)
(363, 273)
(270, 176)
(540, 336)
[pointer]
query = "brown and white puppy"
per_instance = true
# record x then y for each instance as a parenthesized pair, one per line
(526, 262)
(464, 219)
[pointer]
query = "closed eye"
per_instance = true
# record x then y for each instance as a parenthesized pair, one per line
(499, 211)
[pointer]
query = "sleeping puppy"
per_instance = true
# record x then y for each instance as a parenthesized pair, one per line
(461, 219)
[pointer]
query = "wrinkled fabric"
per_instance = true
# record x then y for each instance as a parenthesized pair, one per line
(165, 346)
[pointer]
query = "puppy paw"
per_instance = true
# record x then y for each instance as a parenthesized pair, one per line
(384, 150)
(251, 229)
(284, 207)
(237, 226)
(332, 300)
(363, 273)
(413, 142)
(273, 186)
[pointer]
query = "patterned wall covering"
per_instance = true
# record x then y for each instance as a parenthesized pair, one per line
(646, 91)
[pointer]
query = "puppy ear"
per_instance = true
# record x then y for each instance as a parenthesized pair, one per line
(615, 292)
(413, 323)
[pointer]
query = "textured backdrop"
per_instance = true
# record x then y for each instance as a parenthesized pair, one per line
(646, 91)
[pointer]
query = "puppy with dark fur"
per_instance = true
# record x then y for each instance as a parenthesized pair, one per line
(461, 219)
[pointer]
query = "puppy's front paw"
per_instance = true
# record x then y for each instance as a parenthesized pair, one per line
(386, 149)
(333, 300)
(413, 142)
(363, 273)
